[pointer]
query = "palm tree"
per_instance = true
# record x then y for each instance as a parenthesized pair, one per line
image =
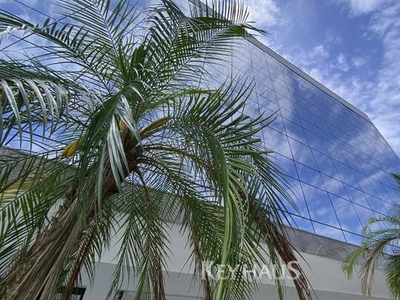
(381, 236)
(130, 140)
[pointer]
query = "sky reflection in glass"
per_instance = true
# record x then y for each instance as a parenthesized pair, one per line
(337, 162)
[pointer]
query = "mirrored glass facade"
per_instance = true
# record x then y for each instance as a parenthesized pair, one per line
(337, 162)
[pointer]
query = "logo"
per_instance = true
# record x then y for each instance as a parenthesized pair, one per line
(214, 271)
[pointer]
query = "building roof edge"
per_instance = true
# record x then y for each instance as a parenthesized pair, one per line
(298, 71)
(305, 76)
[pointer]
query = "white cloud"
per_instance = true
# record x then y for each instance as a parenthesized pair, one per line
(385, 107)
(358, 62)
(377, 95)
(263, 12)
(319, 51)
(359, 7)
(342, 62)
(305, 58)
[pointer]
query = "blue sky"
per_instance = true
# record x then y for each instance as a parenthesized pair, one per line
(351, 46)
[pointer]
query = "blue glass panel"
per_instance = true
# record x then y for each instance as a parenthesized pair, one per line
(301, 208)
(380, 189)
(325, 165)
(351, 238)
(388, 181)
(356, 196)
(277, 124)
(310, 176)
(328, 231)
(302, 154)
(302, 223)
(334, 186)
(308, 127)
(364, 214)
(341, 160)
(251, 108)
(284, 95)
(393, 194)
(366, 186)
(276, 141)
(267, 94)
(290, 114)
(375, 203)
(347, 215)
(316, 142)
(267, 101)
(321, 204)
(285, 164)
(294, 131)
(346, 174)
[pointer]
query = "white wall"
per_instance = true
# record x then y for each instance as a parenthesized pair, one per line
(325, 275)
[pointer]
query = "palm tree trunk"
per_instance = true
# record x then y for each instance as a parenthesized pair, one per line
(39, 271)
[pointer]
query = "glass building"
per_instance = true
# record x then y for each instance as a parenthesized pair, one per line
(337, 162)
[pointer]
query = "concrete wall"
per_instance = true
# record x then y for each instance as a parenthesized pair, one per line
(324, 273)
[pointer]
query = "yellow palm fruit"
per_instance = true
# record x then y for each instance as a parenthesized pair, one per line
(154, 126)
(121, 125)
(71, 149)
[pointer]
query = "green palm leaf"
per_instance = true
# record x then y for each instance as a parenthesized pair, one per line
(381, 236)
(137, 143)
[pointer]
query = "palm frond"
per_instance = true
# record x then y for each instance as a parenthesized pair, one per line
(144, 237)
(393, 275)
(375, 245)
(137, 142)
